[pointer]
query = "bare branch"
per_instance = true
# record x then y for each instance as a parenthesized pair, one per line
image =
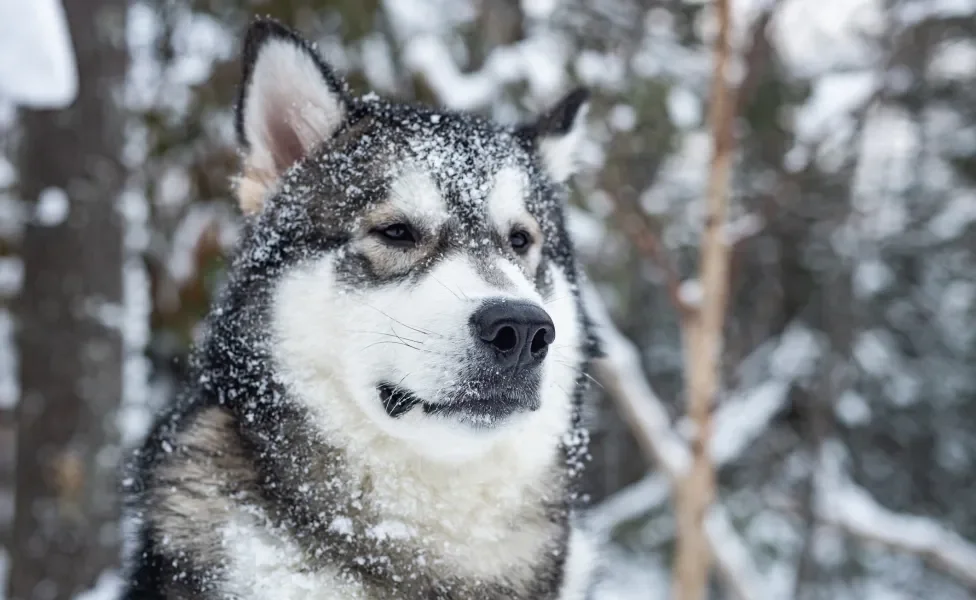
(702, 335)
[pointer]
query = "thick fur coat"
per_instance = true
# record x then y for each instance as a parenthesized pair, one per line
(386, 401)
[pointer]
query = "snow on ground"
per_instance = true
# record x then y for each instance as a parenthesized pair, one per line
(37, 62)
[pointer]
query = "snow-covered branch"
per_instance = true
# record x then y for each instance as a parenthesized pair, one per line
(536, 60)
(731, 554)
(843, 504)
(632, 502)
(620, 373)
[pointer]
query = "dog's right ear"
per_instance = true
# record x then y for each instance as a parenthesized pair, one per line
(290, 102)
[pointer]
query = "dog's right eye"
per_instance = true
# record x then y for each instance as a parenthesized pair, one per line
(398, 234)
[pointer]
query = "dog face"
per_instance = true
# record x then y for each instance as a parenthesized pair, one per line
(425, 286)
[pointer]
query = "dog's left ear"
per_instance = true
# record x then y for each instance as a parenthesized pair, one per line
(290, 102)
(558, 134)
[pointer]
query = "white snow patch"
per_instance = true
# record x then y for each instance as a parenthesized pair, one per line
(691, 292)
(4, 572)
(588, 232)
(537, 60)
(198, 220)
(9, 377)
(199, 41)
(952, 452)
(956, 307)
(870, 277)
(833, 98)
(814, 37)
(875, 352)
(743, 419)
(539, 9)
(958, 213)
(852, 409)
(632, 502)
(8, 173)
(796, 354)
(409, 18)
(391, 530)
(599, 69)
(377, 63)
(954, 60)
(742, 227)
(684, 107)
(622, 117)
(342, 526)
(11, 275)
(37, 60)
(108, 587)
(889, 148)
(52, 207)
(914, 12)
(633, 576)
(841, 503)
(135, 412)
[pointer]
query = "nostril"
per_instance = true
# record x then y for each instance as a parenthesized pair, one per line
(506, 339)
(518, 333)
(540, 343)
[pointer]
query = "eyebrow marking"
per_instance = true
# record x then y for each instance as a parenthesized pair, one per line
(506, 201)
(414, 194)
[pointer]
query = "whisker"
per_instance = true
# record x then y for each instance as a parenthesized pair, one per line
(397, 388)
(400, 343)
(417, 329)
(444, 285)
(386, 334)
(580, 371)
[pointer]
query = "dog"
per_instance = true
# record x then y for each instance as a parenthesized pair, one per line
(386, 401)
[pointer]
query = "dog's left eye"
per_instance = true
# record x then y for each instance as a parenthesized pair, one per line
(398, 234)
(520, 241)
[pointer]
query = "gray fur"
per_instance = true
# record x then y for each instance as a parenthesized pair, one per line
(247, 448)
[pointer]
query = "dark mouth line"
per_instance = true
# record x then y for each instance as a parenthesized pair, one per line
(396, 400)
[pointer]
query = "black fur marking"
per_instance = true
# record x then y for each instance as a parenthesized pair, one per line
(396, 400)
(293, 476)
(560, 118)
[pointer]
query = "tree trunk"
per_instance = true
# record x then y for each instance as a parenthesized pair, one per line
(65, 531)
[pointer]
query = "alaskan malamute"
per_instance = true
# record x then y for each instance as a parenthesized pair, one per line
(386, 402)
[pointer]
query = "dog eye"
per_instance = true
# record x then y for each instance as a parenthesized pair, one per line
(398, 234)
(520, 241)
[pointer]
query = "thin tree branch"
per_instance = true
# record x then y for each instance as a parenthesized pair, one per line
(702, 334)
(620, 373)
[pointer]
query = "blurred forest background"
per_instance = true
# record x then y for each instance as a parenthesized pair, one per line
(845, 428)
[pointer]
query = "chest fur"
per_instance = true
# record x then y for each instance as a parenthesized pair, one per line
(307, 517)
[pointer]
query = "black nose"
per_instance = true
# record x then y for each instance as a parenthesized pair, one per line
(519, 332)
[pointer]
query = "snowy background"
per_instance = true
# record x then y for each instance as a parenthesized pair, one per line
(845, 432)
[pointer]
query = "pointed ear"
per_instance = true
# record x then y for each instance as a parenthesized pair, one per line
(558, 134)
(290, 102)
